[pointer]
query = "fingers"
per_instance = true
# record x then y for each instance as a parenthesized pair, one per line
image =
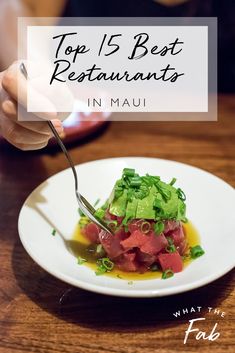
(13, 79)
(21, 137)
(10, 109)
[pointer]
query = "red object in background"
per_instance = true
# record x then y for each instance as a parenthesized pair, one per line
(78, 126)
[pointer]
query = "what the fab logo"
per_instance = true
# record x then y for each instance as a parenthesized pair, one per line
(193, 330)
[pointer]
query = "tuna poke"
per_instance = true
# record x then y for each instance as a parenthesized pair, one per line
(147, 217)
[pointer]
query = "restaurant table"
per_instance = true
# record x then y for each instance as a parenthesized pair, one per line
(39, 313)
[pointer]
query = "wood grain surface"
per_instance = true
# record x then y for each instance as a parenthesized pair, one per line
(38, 313)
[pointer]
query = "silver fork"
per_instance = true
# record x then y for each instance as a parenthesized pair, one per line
(83, 204)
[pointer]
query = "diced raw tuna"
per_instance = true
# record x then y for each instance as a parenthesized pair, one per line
(177, 235)
(127, 262)
(135, 240)
(91, 232)
(150, 244)
(171, 261)
(182, 248)
(111, 243)
(154, 244)
(109, 216)
(136, 224)
(170, 226)
(145, 258)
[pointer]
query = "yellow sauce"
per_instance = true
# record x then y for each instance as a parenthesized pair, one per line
(80, 246)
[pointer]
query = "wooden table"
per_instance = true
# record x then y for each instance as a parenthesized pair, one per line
(31, 316)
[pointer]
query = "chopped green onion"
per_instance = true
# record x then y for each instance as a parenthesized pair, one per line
(80, 260)
(145, 227)
(105, 205)
(154, 268)
(119, 276)
(100, 249)
(167, 274)
(142, 192)
(170, 248)
(181, 194)
(159, 227)
(81, 214)
(83, 221)
(129, 172)
(118, 191)
(100, 213)
(135, 182)
(166, 194)
(148, 181)
(196, 252)
(130, 282)
(100, 270)
(173, 181)
(107, 263)
(96, 203)
(104, 265)
(170, 240)
(53, 232)
(112, 224)
(157, 203)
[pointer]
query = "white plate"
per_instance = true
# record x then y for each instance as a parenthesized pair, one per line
(210, 206)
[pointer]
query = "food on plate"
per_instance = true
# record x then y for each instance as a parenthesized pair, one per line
(148, 221)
